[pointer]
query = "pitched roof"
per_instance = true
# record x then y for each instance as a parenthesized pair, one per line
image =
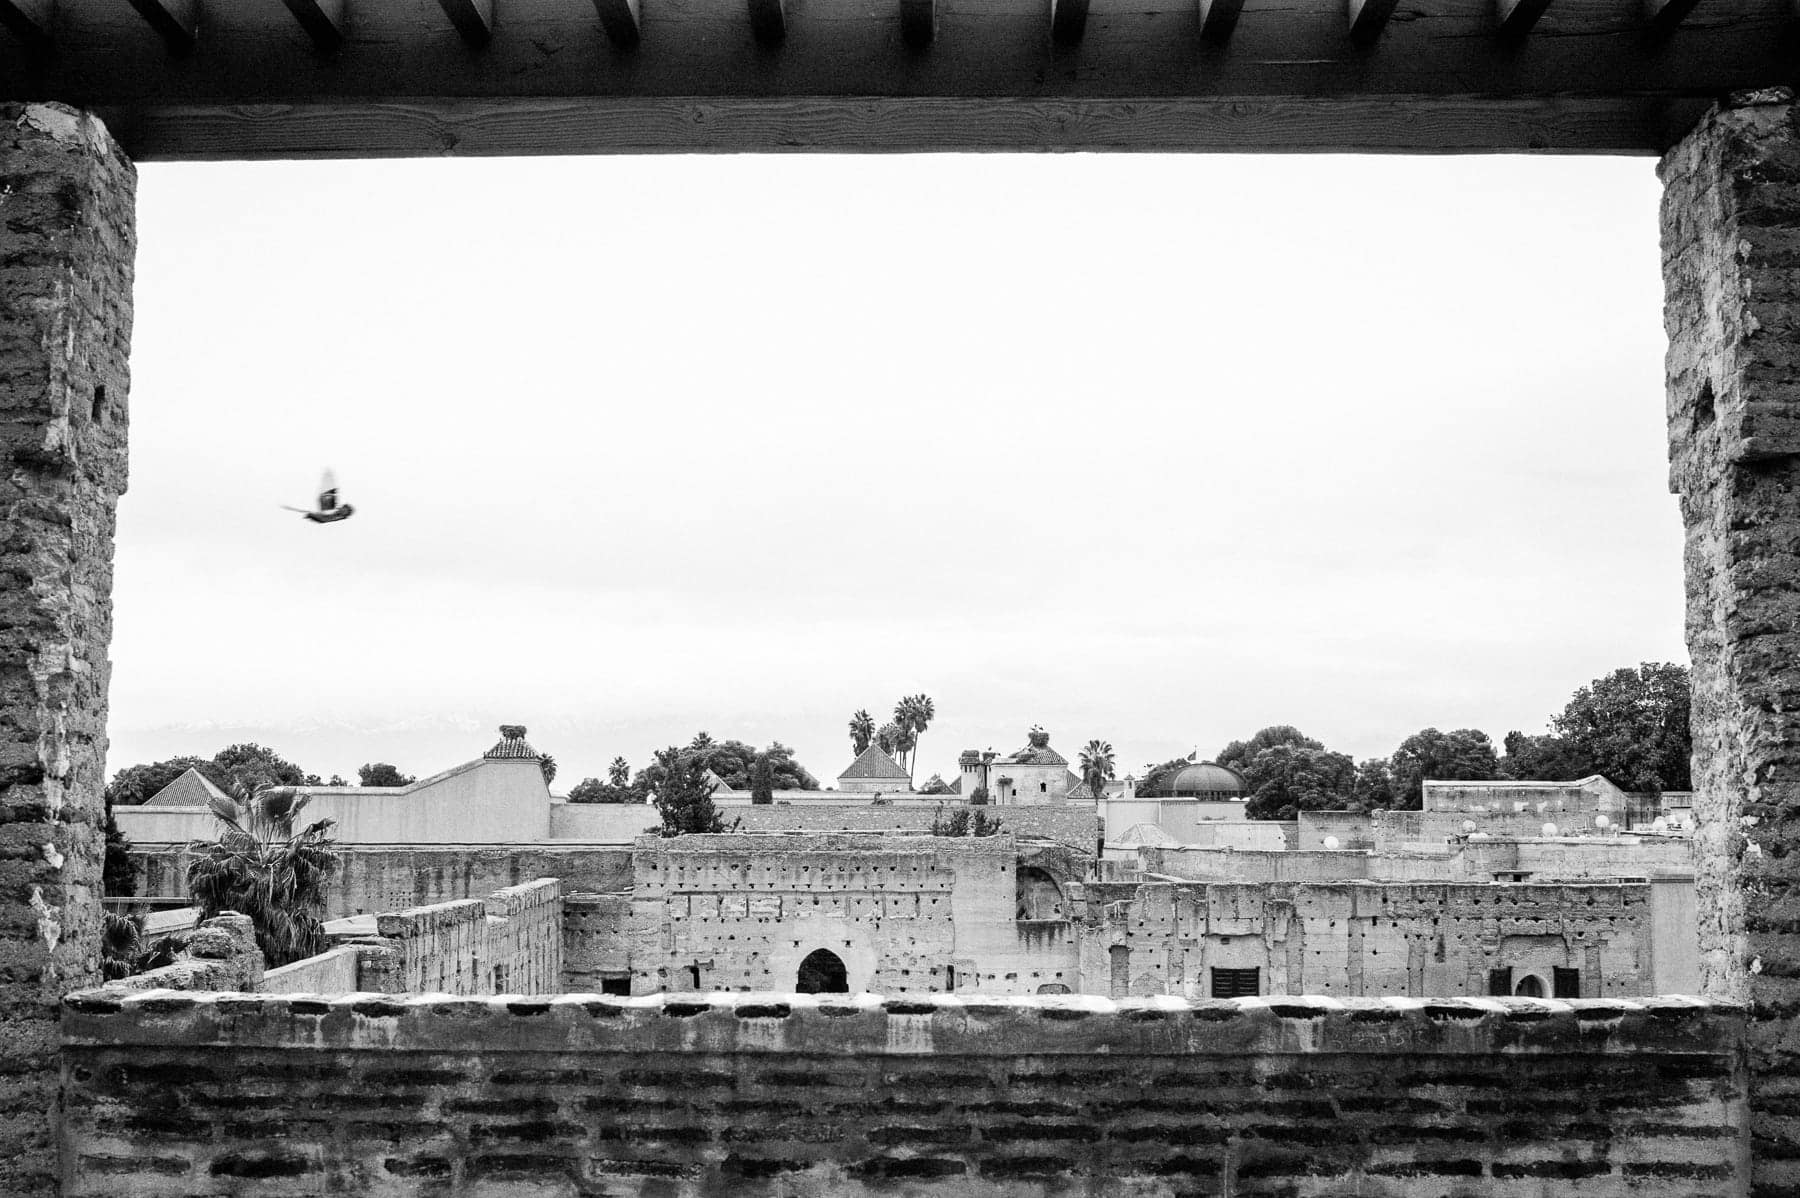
(512, 744)
(189, 789)
(1144, 834)
(1033, 755)
(873, 763)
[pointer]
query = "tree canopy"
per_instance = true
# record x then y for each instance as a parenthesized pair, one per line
(1632, 725)
(250, 764)
(683, 792)
(380, 773)
(1465, 754)
(1097, 765)
(264, 867)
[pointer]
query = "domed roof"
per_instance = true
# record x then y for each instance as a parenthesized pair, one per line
(1205, 778)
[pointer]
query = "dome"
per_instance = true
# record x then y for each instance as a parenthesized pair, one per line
(1205, 780)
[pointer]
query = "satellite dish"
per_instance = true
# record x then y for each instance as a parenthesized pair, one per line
(1549, 829)
(1331, 842)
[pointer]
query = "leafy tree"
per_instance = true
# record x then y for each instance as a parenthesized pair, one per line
(337, 780)
(261, 866)
(137, 784)
(1156, 777)
(380, 773)
(683, 794)
(1286, 779)
(978, 797)
(1239, 753)
(1096, 765)
(618, 773)
(733, 761)
(702, 742)
(964, 821)
(255, 765)
(547, 763)
(1374, 786)
(862, 731)
(762, 792)
(1463, 755)
(592, 790)
(1633, 726)
(935, 785)
(1548, 758)
(118, 875)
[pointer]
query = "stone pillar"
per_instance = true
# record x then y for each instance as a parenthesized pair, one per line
(66, 245)
(1731, 271)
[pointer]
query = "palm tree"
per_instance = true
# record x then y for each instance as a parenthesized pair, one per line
(862, 731)
(892, 739)
(1096, 765)
(914, 713)
(260, 866)
(619, 772)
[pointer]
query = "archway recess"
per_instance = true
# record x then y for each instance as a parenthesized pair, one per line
(822, 972)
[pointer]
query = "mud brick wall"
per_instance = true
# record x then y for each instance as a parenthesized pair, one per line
(1731, 271)
(443, 948)
(1076, 827)
(596, 941)
(67, 244)
(390, 878)
(525, 937)
(761, 1095)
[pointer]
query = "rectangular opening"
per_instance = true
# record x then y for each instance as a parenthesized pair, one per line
(1236, 983)
(1566, 983)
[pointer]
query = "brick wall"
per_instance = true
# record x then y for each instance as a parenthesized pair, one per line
(67, 243)
(510, 942)
(525, 937)
(596, 942)
(196, 1095)
(1076, 827)
(1731, 273)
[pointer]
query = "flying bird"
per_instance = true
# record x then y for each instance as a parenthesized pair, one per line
(329, 511)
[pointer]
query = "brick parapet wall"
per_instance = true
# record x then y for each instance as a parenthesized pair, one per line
(443, 948)
(67, 244)
(368, 1094)
(525, 937)
(1731, 269)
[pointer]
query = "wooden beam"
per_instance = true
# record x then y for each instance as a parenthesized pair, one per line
(1516, 18)
(474, 19)
(323, 21)
(1664, 15)
(28, 20)
(178, 21)
(1368, 18)
(1219, 17)
(620, 20)
(918, 22)
(768, 22)
(1068, 21)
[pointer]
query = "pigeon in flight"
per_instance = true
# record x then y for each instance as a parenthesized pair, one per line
(330, 511)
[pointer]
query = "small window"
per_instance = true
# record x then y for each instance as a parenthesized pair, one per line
(618, 986)
(1500, 981)
(1236, 983)
(1566, 983)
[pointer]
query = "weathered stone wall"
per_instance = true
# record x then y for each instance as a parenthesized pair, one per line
(525, 937)
(510, 942)
(370, 880)
(182, 1095)
(1076, 827)
(222, 954)
(597, 943)
(1364, 938)
(67, 245)
(1731, 271)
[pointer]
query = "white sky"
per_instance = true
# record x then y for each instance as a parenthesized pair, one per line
(1159, 450)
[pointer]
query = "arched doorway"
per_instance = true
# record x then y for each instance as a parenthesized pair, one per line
(822, 973)
(1039, 897)
(1529, 987)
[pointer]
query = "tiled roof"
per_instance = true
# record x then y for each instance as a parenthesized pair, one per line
(1030, 755)
(873, 763)
(512, 744)
(189, 789)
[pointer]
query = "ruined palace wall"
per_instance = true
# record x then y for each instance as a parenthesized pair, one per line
(379, 1095)
(377, 879)
(738, 912)
(1076, 827)
(1365, 938)
(596, 942)
(1353, 829)
(1255, 865)
(525, 937)
(510, 942)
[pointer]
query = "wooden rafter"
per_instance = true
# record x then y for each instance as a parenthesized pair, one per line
(620, 20)
(323, 21)
(474, 19)
(28, 20)
(178, 21)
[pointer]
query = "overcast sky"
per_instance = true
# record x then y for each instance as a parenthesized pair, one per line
(1153, 449)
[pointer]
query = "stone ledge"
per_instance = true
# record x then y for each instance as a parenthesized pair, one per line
(869, 1023)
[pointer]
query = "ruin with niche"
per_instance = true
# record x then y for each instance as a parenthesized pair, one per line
(394, 1093)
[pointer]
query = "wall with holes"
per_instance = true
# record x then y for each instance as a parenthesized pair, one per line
(1368, 938)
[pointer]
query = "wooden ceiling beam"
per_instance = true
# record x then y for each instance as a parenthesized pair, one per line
(474, 19)
(768, 22)
(28, 20)
(1518, 17)
(918, 22)
(177, 21)
(1219, 17)
(620, 20)
(1068, 21)
(323, 21)
(1663, 16)
(1368, 19)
